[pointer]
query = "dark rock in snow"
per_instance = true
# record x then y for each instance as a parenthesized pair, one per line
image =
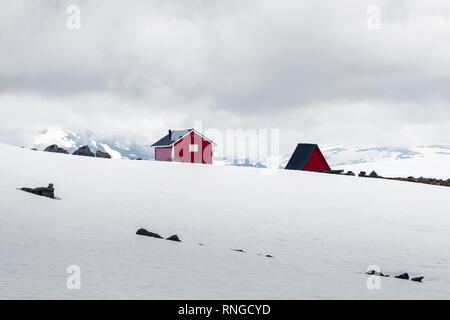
(376, 273)
(362, 174)
(138, 159)
(34, 149)
(417, 279)
(100, 154)
(143, 232)
(404, 276)
(269, 256)
(54, 148)
(237, 250)
(84, 151)
(350, 173)
(174, 238)
(373, 174)
(48, 192)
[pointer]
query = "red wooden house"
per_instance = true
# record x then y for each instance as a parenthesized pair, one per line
(308, 157)
(184, 146)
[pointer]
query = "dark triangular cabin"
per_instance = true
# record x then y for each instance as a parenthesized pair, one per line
(308, 157)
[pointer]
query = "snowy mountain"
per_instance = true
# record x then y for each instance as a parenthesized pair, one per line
(323, 231)
(428, 161)
(350, 155)
(117, 146)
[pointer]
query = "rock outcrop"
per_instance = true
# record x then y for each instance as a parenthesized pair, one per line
(84, 151)
(143, 232)
(54, 148)
(403, 276)
(48, 192)
(417, 279)
(373, 174)
(174, 238)
(376, 273)
(100, 154)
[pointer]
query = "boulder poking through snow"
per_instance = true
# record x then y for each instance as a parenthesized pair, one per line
(48, 192)
(417, 279)
(84, 151)
(174, 238)
(145, 233)
(376, 273)
(404, 276)
(100, 154)
(54, 148)
(373, 174)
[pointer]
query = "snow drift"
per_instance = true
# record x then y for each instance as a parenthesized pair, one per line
(323, 231)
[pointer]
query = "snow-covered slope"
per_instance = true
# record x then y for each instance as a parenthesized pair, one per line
(324, 231)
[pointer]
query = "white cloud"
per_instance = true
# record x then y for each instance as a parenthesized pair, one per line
(311, 69)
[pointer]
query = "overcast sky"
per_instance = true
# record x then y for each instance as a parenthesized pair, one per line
(320, 71)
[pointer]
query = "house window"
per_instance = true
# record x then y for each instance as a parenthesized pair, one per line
(193, 148)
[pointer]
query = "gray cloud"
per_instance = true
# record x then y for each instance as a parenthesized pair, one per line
(312, 69)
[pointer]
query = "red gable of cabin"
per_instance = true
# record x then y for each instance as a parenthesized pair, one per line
(317, 162)
(193, 148)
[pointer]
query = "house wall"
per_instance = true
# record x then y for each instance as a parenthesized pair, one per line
(163, 153)
(183, 154)
(316, 162)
